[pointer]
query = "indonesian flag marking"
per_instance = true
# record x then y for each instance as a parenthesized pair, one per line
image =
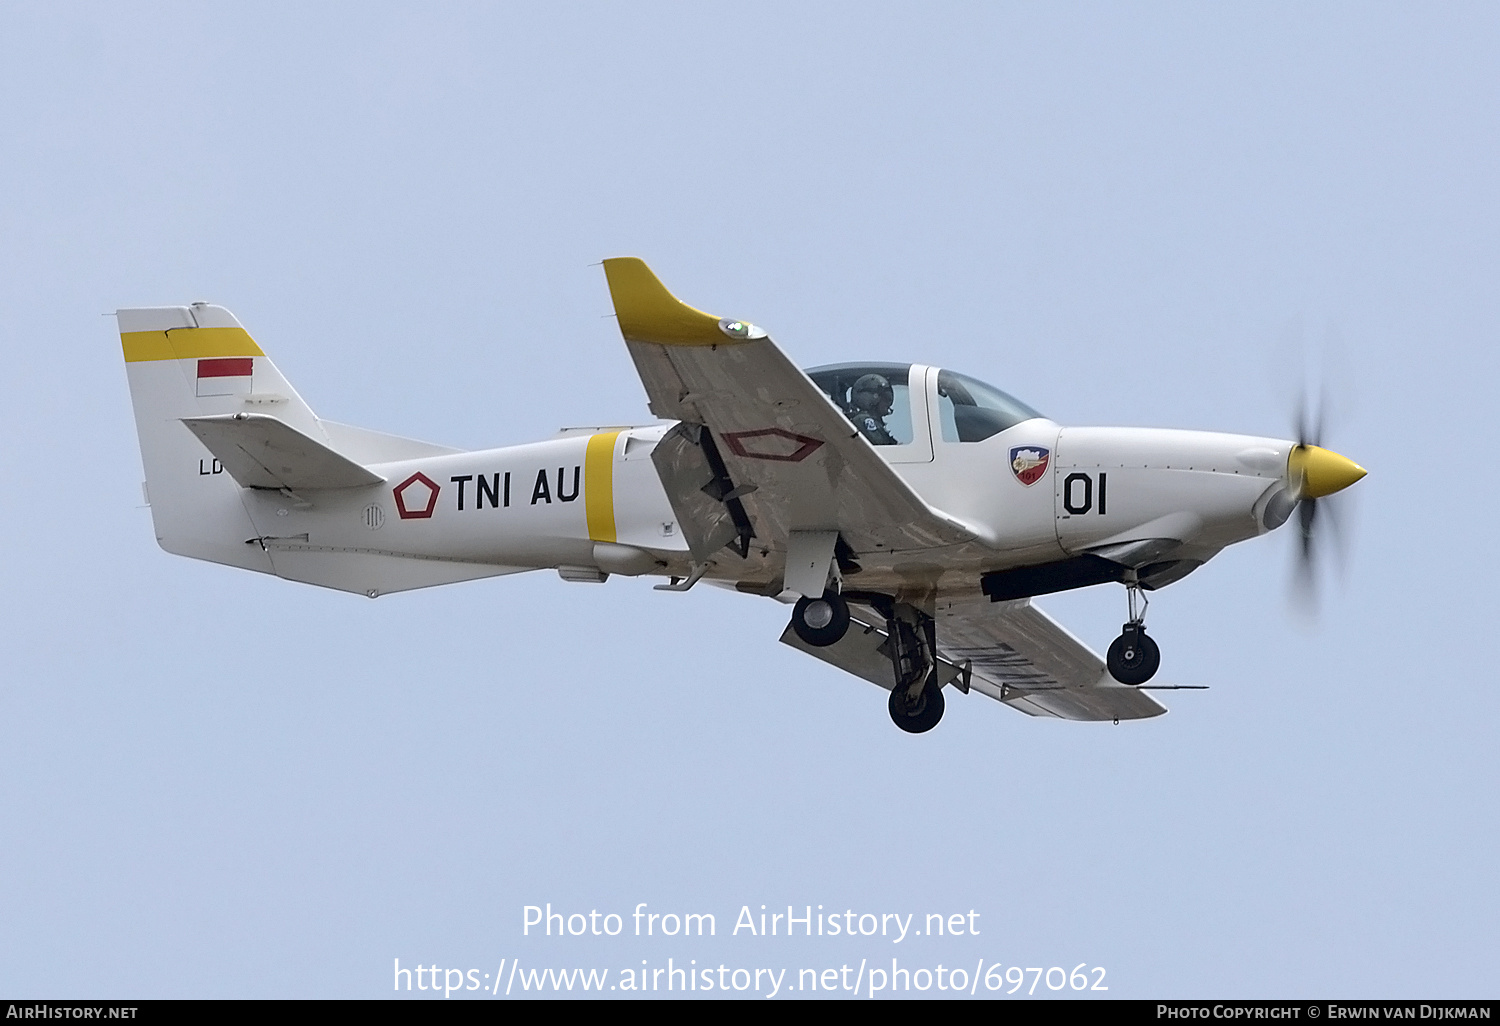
(229, 375)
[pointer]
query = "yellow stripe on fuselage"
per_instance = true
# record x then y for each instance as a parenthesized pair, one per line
(187, 343)
(599, 486)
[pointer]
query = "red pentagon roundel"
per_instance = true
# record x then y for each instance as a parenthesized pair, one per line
(416, 497)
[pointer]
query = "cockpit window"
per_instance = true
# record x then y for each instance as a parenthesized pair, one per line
(874, 396)
(971, 411)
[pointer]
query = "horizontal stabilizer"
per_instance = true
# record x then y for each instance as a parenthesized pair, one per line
(260, 451)
(365, 446)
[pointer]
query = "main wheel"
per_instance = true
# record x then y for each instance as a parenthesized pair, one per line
(1133, 657)
(924, 715)
(821, 621)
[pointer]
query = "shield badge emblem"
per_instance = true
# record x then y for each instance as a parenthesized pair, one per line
(1029, 463)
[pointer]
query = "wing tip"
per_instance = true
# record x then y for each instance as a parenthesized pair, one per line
(648, 312)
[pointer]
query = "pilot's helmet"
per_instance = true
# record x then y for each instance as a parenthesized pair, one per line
(872, 393)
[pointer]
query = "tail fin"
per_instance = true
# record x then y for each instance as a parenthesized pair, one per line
(192, 362)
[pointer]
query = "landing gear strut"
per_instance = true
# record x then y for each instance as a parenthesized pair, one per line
(1134, 658)
(821, 621)
(916, 703)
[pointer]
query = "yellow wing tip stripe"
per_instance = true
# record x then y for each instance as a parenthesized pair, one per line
(187, 343)
(599, 486)
(649, 313)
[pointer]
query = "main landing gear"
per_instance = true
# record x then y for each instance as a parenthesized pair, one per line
(821, 621)
(916, 703)
(1134, 658)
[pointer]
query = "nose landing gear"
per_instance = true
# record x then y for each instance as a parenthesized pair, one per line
(1134, 658)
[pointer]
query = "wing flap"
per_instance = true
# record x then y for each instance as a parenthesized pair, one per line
(259, 451)
(689, 478)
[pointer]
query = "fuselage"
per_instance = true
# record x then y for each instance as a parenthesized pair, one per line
(589, 502)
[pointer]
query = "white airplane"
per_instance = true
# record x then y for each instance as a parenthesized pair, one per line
(909, 512)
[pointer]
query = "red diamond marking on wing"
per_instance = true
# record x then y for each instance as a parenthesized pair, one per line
(409, 497)
(772, 444)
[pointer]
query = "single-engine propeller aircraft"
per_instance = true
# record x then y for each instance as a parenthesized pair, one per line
(908, 513)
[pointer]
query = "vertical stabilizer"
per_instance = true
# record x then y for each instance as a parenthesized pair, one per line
(197, 361)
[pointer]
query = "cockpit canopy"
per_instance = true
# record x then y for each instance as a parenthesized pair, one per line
(876, 397)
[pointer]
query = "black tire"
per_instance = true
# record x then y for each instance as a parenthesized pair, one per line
(925, 716)
(831, 605)
(1133, 664)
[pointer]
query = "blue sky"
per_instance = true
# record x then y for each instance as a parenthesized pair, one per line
(220, 784)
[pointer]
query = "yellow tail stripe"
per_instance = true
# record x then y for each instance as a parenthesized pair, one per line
(186, 343)
(599, 486)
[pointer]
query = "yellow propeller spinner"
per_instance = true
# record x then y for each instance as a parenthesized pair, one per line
(1316, 472)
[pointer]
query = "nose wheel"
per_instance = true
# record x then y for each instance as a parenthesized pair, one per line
(1134, 658)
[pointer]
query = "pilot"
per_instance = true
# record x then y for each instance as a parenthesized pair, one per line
(870, 403)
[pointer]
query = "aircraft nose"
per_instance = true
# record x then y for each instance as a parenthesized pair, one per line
(1316, 472)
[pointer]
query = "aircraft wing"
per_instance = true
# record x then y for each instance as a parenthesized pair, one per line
(1026, 659)
(1014, 652)
(760, 451)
